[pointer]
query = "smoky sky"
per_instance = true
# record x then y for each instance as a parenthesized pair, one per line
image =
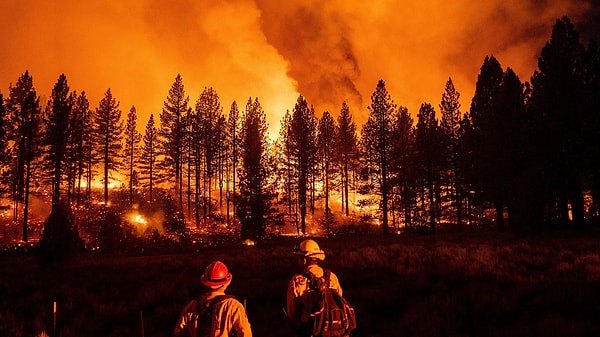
(328, 51)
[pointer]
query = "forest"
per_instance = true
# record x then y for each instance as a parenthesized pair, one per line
(522, 157)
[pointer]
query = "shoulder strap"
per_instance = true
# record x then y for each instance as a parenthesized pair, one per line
(211, 303)
(319, 282)
(218, 299)
(327, 277)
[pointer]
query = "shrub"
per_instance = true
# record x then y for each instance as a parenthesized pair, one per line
(60, 240)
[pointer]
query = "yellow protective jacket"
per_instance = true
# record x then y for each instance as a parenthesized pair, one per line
(230, 316)
(298, 286)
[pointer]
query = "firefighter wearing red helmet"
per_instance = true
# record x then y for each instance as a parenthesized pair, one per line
(214, 314)
(309, 254)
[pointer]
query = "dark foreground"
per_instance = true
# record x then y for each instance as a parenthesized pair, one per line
(445, 285)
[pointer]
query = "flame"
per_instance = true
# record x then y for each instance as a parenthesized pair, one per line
(139, 219)
(248, 242)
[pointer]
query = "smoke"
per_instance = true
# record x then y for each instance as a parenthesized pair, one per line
(315, 38)
(338, 50)
(329, 51)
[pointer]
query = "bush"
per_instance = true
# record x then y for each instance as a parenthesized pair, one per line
(110, 231)
(60, 240)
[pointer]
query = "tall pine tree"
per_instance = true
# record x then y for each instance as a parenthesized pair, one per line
(172, 133)
(450, 127)
(301, 142)
(148, 157)
(429, 158)
(108, 135)
(58, 115)
(325, 151)
(347, 151)
(5, 154)
(132, 140)
(557, 101)
(80, 148)
(376, 143)
(24, 112)
(233, 133)
(402, 167)
(254, 204)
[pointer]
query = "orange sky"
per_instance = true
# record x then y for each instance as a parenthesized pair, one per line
(329, 51)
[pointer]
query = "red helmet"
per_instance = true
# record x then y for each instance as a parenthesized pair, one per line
(216, 275)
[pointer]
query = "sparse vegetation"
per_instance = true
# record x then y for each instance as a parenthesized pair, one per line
(467, 284)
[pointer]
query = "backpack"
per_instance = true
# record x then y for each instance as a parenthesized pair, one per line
(329, 313)
(205, 311)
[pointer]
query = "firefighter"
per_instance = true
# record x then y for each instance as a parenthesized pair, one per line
(309, 255)
(214, 314)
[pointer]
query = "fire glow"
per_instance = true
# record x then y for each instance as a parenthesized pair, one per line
(138, 221)
(273, 50)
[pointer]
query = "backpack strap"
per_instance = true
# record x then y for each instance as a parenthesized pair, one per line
(327, 277)
(218, 299)
(205, 306)
(319, 282)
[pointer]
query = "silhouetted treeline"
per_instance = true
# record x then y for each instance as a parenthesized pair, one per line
(527, 151)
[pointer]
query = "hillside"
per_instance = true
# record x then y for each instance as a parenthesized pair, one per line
(484, 284)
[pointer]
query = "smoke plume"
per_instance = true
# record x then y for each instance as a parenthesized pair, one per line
(329, 51)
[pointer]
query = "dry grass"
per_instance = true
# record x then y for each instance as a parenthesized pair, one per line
(444, 285)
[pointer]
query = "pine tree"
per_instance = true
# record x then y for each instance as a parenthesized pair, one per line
(479, 134)
(221, 153)
(23, 111)
(346, 142)
(5, 155)
(508, 138)
(108, 135)
(429, 157)
(375, 141)
(172, 133)
(592, 131)
(286, 163)
(58, 115)
(450, 127)
(557, 103)
(80, 144)
(325, 150)
(233, 133)
(301, 142)
(254, 203)
(209, 134)
(132, 140)
(402, 167)
(148, 158)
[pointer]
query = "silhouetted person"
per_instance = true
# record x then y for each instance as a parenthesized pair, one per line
(214, 314)
(309, 254)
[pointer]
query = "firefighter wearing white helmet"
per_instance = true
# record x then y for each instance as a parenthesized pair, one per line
(309, 254)
(214, 314)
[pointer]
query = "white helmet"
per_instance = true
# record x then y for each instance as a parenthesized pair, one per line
(309, 248)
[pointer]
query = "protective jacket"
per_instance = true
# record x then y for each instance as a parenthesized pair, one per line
(297, 288)
(230, 317)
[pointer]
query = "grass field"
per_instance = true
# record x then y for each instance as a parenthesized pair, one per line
(483, 284)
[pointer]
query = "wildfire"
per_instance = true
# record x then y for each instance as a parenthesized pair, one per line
(139, 219)
(248, 242)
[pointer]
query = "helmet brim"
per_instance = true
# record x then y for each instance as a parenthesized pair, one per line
(216, 283)
(316, 255)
